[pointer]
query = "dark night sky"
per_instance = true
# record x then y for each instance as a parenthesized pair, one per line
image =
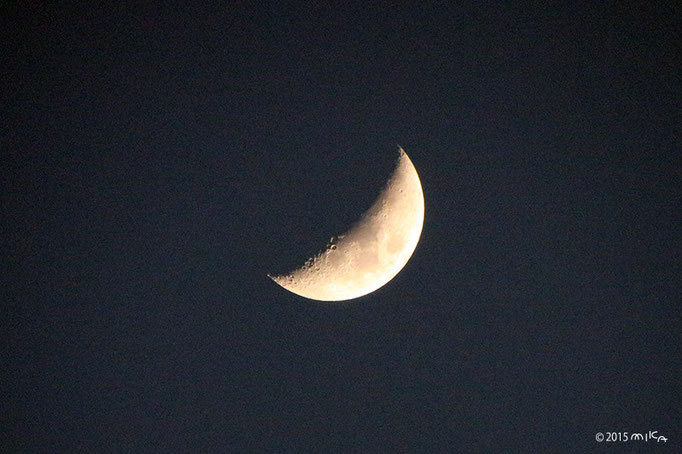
(158, 162)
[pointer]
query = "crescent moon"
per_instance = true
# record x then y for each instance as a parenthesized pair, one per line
(373, 251)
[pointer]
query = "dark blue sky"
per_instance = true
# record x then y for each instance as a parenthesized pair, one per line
(159, 161)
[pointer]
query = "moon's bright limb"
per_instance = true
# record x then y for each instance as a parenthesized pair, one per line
(373, 251)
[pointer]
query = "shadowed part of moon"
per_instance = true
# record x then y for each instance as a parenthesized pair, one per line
(373, 251)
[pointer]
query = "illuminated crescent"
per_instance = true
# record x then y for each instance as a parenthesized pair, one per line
(373, 251)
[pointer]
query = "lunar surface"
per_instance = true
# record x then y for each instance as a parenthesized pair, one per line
(373, 251)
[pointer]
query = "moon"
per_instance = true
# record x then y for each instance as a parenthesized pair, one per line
(373, 251)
